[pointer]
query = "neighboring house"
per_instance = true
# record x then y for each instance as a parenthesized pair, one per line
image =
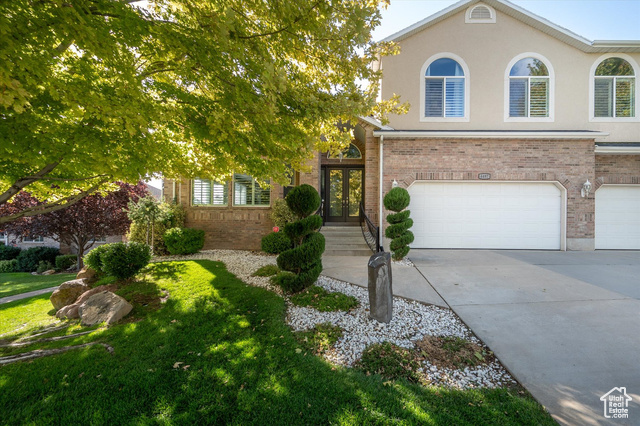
(521, 135)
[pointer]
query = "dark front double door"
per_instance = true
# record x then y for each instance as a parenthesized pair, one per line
(342, 189)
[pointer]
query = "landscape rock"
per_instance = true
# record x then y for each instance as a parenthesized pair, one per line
(67, 293)
(103, 307)
(380, 287)
(71, 311)
(49, 272)
(86, 273)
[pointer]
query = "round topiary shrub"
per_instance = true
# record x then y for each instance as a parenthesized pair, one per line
(122, 260)
(275, 243)
(9, 252)
(184, 240)
(397, 200)
(28, 260)
(93, 259)
(302, 264)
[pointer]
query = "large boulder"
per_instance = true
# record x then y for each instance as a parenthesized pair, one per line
(71, 311)
(86, 273)
(67, 293)
(103, 307)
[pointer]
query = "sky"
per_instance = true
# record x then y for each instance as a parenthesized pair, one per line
(591, 19)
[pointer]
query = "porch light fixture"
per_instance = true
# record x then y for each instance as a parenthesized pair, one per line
(394, 184)
(586, 189)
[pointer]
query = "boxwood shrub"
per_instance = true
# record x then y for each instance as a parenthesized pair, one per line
(9, 252)
(184, 240)
(28, 260)
(8, 266)
(66, 261)
(124, 260)
(93, 259)
(275, 243)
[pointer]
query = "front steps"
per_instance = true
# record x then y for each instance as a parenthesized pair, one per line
(344, 241)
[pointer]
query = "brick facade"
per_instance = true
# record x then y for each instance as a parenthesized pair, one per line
(568, 162)
(617, 169)
(232, 227)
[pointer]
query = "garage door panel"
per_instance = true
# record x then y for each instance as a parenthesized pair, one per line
(486, 215)
(618, 217)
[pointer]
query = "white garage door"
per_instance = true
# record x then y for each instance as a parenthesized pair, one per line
(618, 217)
(492, 215)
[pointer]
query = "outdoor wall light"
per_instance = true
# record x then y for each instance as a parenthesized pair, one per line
(586, 189)
(394, 184)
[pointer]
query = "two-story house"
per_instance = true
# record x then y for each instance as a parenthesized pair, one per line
(521, 135)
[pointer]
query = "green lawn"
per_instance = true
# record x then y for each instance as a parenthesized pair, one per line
(22, 282)
(219, 352)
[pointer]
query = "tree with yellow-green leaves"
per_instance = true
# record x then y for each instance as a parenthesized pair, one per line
(95, 91)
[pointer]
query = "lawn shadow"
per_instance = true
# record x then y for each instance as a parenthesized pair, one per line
(220, 352)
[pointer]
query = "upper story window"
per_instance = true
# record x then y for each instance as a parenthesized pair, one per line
(247, 192)
(445, 90)
(530, 90)
(614, 89)
(206, 192)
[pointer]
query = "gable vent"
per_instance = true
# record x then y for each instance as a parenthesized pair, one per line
(481, 12)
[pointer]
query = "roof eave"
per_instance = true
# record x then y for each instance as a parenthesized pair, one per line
(417, 134)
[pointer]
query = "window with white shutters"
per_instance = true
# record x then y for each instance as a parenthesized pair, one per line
(206, 192)
(444, 89)
(247, 192)
(529, 89)
(614, 89)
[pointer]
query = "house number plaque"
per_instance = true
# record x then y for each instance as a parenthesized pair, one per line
(484, 176)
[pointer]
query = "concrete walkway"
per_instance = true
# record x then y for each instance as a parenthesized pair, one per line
(566, 324)
(26, 295)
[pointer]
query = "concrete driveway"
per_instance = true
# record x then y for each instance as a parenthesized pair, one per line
(566, 324)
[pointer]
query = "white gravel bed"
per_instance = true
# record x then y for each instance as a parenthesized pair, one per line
(411, 322)
(404, 262)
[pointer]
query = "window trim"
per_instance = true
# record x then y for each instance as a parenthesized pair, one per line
(592, 90)
(552, 90)
(191, 182)
(252, 206)
(33, 240)
(467, 94)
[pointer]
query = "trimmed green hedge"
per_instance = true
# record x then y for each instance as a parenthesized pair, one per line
(9, 252)
(120, 260)
(66, 261)
(28, 260)
(184, 240)
(399, 223)
(8, 266)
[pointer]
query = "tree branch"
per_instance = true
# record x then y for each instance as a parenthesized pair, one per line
(52, 207)
(21, 183)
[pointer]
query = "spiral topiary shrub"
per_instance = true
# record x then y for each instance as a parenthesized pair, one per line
(302, 264)
(275, 243)
(397, 200)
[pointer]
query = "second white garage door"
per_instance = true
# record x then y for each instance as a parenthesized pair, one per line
(618, 217)
(490, 215)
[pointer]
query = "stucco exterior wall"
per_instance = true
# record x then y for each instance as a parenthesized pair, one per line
(487, 50)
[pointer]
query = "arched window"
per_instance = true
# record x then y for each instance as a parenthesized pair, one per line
(444, 89)
(529, 89)
(614, 89)
(352, 152)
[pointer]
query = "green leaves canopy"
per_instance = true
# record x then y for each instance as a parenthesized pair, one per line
(103, 90)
